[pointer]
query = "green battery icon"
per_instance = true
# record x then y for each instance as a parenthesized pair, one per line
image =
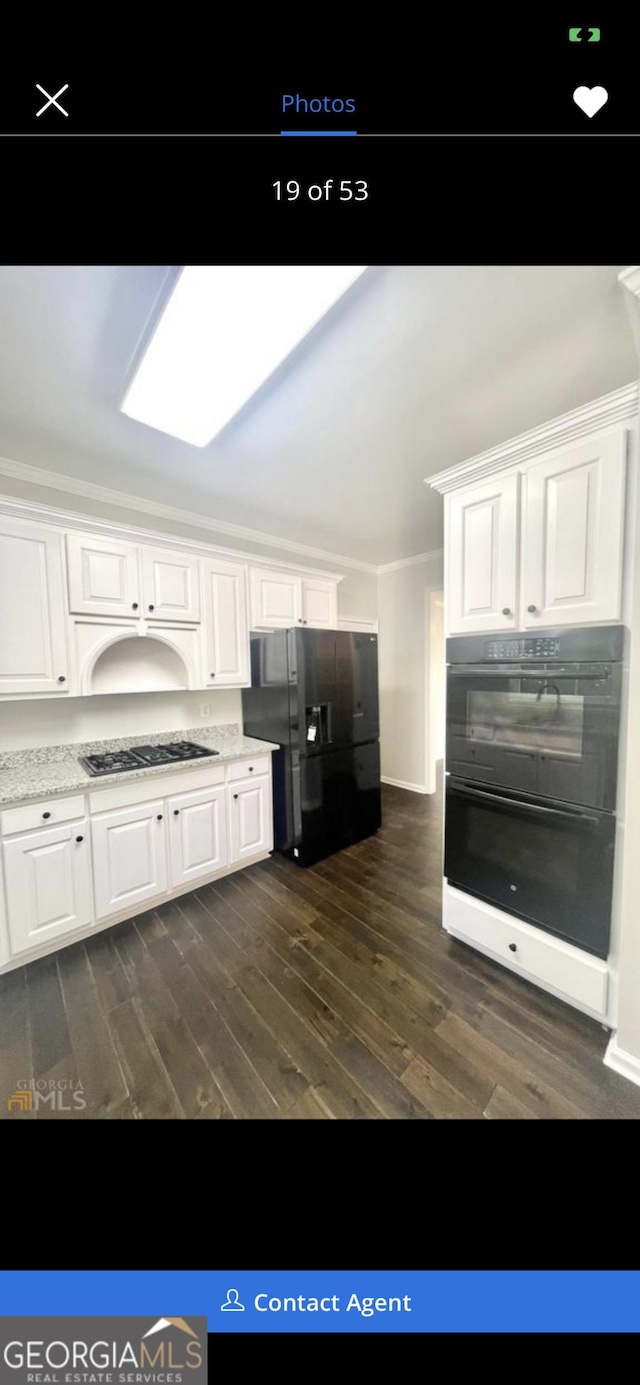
(577, 35)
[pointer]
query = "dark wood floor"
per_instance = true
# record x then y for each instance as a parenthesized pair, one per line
(280, 993)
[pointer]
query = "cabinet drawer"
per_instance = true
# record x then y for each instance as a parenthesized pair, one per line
(43, 814)
(538, 956)
(245, 769)
(162, 785)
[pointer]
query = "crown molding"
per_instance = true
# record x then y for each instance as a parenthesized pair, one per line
(410, 562)
(90, 490)
(630, 279)
(605, 412)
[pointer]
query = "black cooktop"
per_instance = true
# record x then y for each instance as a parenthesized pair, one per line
(117, 761)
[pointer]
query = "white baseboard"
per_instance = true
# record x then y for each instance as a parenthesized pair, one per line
(401, 784)
(621, 1061)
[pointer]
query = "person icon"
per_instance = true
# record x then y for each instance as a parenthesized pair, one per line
(232, 1303)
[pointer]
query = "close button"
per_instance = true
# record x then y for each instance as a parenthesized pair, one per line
(52, 100)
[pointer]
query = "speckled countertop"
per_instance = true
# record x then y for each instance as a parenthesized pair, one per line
(53, 770)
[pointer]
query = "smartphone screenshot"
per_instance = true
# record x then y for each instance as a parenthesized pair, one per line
(319, 672)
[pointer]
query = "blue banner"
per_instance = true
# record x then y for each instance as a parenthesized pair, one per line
(341, 1301)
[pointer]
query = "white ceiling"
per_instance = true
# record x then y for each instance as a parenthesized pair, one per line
(417, 368)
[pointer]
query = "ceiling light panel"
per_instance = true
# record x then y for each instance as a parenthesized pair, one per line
(223, 332)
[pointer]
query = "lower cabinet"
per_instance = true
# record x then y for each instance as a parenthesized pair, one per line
(82, 870)
(197, 834)
(129, 857)
(48, 885)
(250, 817)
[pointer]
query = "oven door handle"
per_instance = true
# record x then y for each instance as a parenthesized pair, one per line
(517, 803)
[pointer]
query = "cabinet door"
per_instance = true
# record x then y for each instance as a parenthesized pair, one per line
(482, 536)
(129, 857)
(573, 529)
(33, 656)
(226, 625)
(276, 599)
(48, 885)
(250, 817)
(103, 576)
(197, 834)
(170, 585)
(319, 603)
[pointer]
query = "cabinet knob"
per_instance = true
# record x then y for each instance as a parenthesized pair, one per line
(531, 609)
(152, 608)
(61, 678)
(513, 947)
(212, 675)
(506, 610)
(134, 605)
(304, 622)
(46, 815)
(299, 620)
(250, 769)
(176, 812)
(159, 817)
(235, 795)
(79, 839)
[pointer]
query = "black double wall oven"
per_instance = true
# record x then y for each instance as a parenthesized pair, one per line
(532, 753)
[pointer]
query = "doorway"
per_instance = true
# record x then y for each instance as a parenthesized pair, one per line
(435, 670)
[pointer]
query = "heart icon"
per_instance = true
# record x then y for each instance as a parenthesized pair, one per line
(590, 99)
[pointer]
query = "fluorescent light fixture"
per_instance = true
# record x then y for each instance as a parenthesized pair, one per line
(222, 333)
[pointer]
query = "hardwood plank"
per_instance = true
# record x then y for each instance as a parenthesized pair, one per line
(152, 1094)
(53, 1057)
(191, 1078)
(111, 982)
(505, 1107)
(97, 1064)
(437, 1095)
(521, 1080)
(15, 1041)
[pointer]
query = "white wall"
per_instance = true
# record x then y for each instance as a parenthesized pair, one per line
(68, 721)
(404, 670)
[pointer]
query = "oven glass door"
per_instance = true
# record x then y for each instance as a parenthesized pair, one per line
(544, 862)
(550, 732)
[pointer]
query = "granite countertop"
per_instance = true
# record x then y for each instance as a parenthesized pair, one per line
(53, 770)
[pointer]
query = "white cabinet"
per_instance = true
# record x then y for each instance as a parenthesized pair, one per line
(33, 654)
(130, 858)
(276, 599)
(250, 817)
(283, 599)
(482, 557)
(170, 585)
(541, 545)
(573, 510)
(319, 603)
(103, 576)
(112, 577)
(197, 834)
(226, 626)
(48, 885)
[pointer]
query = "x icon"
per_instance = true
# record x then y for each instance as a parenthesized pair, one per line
(52, 100)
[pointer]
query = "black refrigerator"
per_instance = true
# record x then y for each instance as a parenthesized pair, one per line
(315, 694)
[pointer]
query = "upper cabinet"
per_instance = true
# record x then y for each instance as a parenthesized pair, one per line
(283, 599)
(226, 624)
(170, 585)
(103, 576)
(572, 535)
(33, 653)
(482, 585)
(539, 544)
(109, 577)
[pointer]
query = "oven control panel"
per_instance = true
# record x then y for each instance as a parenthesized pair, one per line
(524, 647)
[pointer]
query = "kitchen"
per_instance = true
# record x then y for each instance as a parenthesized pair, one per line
(222, 857)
